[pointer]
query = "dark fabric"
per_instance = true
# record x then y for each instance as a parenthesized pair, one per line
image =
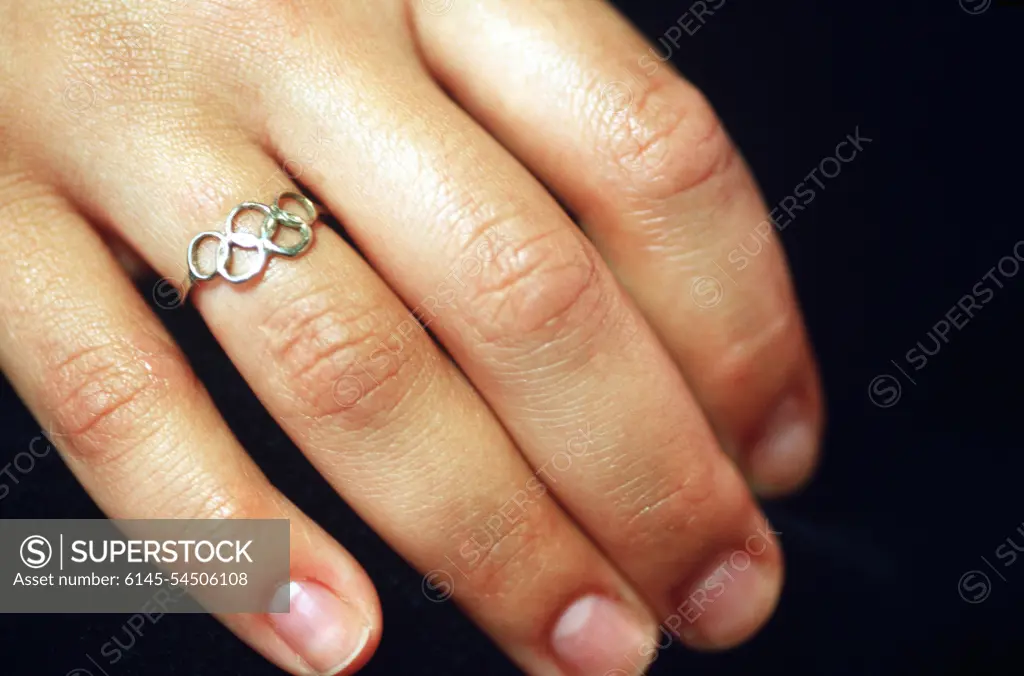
(909, 498)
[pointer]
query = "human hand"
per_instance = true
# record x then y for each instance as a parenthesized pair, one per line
(563, 472)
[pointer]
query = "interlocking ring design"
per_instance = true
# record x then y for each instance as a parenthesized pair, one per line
(264, 246)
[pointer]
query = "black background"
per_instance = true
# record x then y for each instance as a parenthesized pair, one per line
(909, 497)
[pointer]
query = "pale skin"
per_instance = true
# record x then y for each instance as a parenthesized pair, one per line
(580, 471)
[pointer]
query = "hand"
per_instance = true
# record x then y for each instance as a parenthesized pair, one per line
(567, 471)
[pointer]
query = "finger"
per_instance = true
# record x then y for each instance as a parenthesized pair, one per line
(129, 261)
(639, 155)
(141, 434)
(529, 311)
(357, 383)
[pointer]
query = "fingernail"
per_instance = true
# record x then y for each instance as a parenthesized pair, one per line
(785, 455)
(597, 636)
(730, 601)
(326, 632)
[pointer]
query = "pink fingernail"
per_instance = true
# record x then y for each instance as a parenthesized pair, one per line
(732, 600)
(596, 636)
(326, 632)
(786, 454)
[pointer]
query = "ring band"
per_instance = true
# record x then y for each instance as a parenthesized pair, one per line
(264, 245)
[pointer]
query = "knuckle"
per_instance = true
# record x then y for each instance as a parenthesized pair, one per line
(139, 57)
(546, 286)
(666, 503)
(127, 62)
(264, 26)
(250, 11)
(212, 500)
(506, 561)
(707, 500)
(114, 56)
(763, 354)
(106, 398)
(340, 362)
(668, 141)
(194, 487)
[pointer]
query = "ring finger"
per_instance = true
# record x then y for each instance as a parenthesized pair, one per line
(138, 430)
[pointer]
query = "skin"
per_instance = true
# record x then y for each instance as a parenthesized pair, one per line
(608, 388)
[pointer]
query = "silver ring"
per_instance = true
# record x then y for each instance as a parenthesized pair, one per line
(264, 245)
